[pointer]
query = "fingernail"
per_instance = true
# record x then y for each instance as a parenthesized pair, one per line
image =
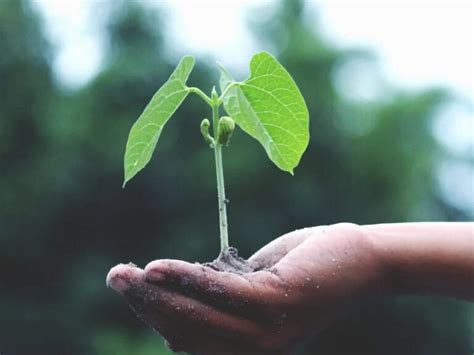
(152, 273)
(120, 277)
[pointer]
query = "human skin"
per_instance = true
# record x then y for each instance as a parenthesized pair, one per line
(305, 280)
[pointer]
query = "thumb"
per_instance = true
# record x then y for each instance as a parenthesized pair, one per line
(274, 251)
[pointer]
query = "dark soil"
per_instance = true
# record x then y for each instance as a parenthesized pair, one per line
(232, 262)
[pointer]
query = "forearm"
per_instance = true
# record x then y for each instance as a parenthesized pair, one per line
(434, 258)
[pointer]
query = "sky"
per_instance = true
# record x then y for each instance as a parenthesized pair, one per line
(418, 44)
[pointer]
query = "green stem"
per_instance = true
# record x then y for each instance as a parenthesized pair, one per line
(220, 185)
(200, 93)
(227, 89)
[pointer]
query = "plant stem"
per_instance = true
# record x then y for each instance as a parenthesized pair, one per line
(200, 93)
(227, 89)
(220, 185)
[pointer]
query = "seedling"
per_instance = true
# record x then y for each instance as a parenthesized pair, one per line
(268, 106)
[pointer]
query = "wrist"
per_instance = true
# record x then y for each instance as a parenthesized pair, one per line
(387, 281)
(368, 269)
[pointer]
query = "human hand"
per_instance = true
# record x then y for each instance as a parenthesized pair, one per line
(305, 279)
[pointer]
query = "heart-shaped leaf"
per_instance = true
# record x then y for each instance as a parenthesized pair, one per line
(147, 129)
(270, 108)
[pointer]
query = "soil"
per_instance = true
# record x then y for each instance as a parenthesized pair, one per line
(232, 262)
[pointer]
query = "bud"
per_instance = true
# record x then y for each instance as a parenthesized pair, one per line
(214, 95)
(205, 124)
(225, 129)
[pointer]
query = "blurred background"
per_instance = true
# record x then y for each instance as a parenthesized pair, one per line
(390, 94)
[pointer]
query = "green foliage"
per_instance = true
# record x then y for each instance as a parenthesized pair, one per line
(270, 107)
(146, 131)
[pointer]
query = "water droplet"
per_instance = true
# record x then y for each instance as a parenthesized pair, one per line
(286, 295)
(334, 260)
(318, 286)
(308, 279)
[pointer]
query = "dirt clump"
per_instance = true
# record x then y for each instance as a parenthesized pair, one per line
(232, 262)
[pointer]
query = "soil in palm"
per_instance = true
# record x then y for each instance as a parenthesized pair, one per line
(232, 262)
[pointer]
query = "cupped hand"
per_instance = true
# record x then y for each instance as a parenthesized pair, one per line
(305, 279)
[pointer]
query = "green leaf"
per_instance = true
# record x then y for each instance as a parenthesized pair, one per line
(270, 108)
(147, 129)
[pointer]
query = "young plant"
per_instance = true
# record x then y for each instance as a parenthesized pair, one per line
(268, 106)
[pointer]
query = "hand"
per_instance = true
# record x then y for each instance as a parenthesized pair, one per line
(305, 279)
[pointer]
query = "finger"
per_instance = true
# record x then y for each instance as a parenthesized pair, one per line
(188, 336)
(224, 290)
(151, 303)
(192, 327)
(274, 251)
(210, 331)
(187, 324)
(128, 281)
(122, 276)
